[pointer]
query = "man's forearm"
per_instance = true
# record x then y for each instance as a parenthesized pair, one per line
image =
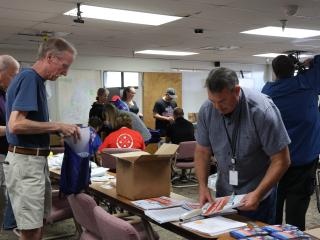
(279, 165)
(159, 117)
(27, 126)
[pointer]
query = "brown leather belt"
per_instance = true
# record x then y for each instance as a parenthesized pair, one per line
(29, 151)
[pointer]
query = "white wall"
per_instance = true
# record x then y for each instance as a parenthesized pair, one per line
(193, 91)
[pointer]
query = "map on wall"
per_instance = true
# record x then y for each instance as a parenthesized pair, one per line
(75, 94)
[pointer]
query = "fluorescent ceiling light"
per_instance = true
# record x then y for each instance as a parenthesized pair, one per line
(189, 70)
(122, 15)
(267, 55)
(273, 55)
(288, 32)
(160, 52)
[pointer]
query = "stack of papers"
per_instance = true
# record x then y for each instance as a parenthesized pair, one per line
(222, 205)
(213, 226)
(165, 209)
(167, 214)
(158, 203)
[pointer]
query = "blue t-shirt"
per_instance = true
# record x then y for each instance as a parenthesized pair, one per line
(297, 100)
(27, 93)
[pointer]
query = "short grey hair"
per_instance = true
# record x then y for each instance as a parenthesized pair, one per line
(7, 61)
(221, 78)
(55, 46)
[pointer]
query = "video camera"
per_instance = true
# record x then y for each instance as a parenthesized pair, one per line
(298, 66)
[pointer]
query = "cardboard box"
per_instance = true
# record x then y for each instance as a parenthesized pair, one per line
(142, 175)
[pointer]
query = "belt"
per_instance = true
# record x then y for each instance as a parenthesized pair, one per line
(29, 151)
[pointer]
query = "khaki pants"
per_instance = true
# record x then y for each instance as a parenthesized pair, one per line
(29, 188)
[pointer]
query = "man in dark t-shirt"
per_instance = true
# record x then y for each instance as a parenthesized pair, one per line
(163, 111)
(181, 130)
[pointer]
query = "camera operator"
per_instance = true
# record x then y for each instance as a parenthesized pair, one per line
(297, 99)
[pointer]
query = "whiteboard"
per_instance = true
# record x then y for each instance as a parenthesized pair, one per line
(70, 98)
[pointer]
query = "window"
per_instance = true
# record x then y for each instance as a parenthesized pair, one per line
(112, 79)
(120, 79)
(130, 79)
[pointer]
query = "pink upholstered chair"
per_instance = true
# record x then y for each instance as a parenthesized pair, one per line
(108, 160)
(82, 206)
(184, 161)
(114, 228)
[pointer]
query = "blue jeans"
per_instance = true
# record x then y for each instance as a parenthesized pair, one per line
(9, 221)
(266, 211)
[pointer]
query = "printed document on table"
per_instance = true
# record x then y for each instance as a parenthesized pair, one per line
(158, 203)
(213, 226)
(222, 205)
(166, 214)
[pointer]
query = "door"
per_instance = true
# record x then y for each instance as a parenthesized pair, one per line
(154, 87)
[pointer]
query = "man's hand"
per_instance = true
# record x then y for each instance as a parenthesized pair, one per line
(250, 202)
(70, 130)
(204, 196)
(170, 119)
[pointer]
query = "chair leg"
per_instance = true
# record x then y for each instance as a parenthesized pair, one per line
(189, 178)
(149, 229)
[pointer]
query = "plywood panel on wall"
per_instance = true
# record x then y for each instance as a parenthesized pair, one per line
(154, 87)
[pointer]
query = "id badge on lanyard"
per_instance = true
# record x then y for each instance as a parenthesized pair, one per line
(233, 174)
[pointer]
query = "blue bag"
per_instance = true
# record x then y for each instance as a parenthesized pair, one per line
(76, 169)
(155, 136)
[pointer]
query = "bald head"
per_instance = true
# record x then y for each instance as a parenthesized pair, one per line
(9, 67)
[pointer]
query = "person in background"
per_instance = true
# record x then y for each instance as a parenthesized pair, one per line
(244, 130)
(95, 125)
(163, 111)
(27, 132)
(111, 114)
(123, 136)
(127, 97)
(9, 67)
(297, 99)
(181, 130)
(118, 103)
(97, 107)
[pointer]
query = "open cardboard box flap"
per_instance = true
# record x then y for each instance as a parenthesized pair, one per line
(165, 151)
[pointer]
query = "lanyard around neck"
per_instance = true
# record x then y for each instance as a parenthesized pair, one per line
(235, 133)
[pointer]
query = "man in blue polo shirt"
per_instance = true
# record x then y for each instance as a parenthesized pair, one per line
(244, 131)
(27, 132)
(297, 99)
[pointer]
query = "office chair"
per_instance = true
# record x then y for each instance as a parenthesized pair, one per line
(109, 161)
(82, 206)
(114, 228)
(184, 161)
